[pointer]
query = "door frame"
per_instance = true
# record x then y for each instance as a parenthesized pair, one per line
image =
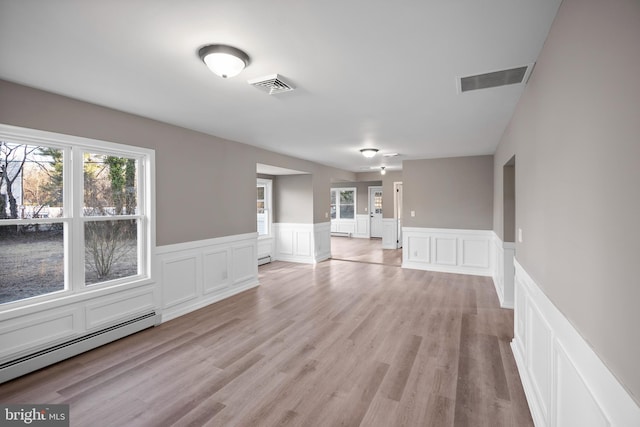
(373, 188)
(397, 210)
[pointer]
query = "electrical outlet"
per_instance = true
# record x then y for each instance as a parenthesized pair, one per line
(520, 235)
(413, 213)
(326, 214)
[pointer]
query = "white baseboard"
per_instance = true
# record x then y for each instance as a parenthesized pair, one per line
(195, 274)
(565, 382)
(448, 250)
(302, 243)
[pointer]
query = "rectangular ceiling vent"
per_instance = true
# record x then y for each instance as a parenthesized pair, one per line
(495, 79)
(272, 84)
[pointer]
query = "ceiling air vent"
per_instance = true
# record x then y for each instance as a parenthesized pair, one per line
(272, 84)
(495, 79)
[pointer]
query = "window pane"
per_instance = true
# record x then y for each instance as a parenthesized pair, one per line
(346, 197)
(31, 260)
(260, 193)
(260, 207)
(110, 185)
(263, 223)
(333, 197)
(346, 211)
(31, 184)
(333, 211)
(111, 250)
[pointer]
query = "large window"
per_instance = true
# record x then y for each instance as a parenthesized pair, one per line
(343, 203)
(74, 214)
(264, 207)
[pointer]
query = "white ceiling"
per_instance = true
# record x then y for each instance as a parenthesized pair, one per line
(373, 73)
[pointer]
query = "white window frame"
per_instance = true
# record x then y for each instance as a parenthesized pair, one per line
(73, 219)
(355, 200)
(268, 205)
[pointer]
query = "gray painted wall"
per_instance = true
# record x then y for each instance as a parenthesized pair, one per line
(576, 137)
(449, 193)
(205, 186)
(293, 199)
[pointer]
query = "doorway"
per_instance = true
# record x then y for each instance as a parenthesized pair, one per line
(508, 252)
(375, 212)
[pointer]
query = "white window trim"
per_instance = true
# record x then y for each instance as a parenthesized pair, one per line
(75, 288)
(355, 202)
(268, 200)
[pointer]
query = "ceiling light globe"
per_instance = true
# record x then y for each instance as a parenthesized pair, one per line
(369, 152)
(224, 65)
(224, 61)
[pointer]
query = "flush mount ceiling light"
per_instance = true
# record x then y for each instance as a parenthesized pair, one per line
(369, 152)
(224, 61)
(382, 171)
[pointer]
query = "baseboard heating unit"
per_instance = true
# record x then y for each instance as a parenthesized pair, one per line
(340, 234)
(264, 260)
(32, 362)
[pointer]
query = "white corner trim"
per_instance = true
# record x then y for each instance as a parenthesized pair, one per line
(565, 381)
(448, 250)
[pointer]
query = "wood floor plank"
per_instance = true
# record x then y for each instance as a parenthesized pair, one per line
(337, 343)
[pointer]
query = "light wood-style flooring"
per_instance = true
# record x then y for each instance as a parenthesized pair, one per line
(338, 343)
(364, 250)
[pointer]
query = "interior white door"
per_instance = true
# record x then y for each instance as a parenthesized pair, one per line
(375, 211)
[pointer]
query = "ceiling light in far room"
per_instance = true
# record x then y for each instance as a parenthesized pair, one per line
(224, 61)
(369, 152)
(382, 170)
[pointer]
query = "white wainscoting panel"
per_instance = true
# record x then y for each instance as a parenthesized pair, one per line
(106, 311)
(179, 276)
(322, 241)
(32, 332)
(303, 243)
(448, 250)
(565, 382)
(503, 272)
(216, 269)
(33, 328)
(390, 233)
(362, 227)
(196, 274)
(445, 250)
(343, 226)
(266, 247)
(420, 248)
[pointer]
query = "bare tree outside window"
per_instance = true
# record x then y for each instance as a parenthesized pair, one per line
(31, 253)
(110, 191)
